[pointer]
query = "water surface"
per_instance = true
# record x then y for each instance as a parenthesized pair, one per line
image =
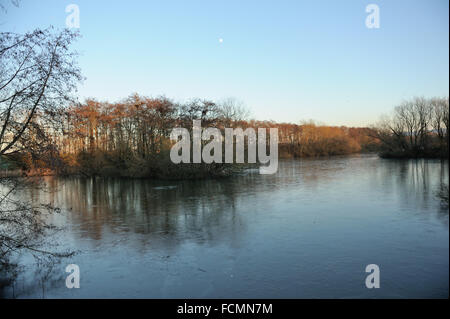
(306, 232)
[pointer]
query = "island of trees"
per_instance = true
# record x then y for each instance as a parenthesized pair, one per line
(131, 138)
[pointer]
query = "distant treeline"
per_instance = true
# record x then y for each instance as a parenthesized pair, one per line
(131, 138)
(417, 128)
(311, 140)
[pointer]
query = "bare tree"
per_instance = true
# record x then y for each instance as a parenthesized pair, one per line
(440, 109)
(38, 74)
(232, 110)
(415, 127)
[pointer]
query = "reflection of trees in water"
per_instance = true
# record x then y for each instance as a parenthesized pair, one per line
(39, 276)
(167, 216)
(443, 185)
(162, 216)
(26, 234)
(421, 183)
(199, 210)
(442, 194)
(206, 211)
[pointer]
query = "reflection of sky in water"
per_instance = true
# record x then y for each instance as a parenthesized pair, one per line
(307, 231)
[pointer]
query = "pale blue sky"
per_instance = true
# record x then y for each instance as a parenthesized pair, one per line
(286, 60)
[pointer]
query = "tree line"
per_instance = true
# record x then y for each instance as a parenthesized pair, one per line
(417, 128)
(132, 137)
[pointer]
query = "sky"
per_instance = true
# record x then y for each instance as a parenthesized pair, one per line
(287, 61)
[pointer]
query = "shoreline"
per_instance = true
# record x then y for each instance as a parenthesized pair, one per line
(202, 175)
